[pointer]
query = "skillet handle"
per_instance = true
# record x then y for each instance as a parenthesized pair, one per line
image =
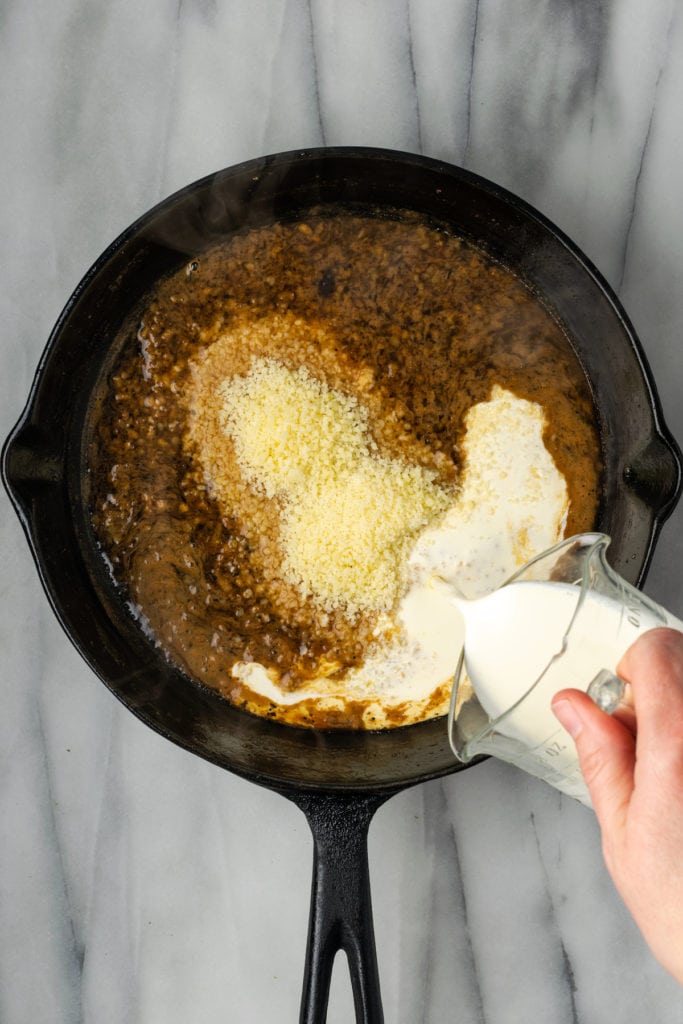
(341, 911)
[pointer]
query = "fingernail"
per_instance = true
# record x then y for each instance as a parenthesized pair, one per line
(564, 710)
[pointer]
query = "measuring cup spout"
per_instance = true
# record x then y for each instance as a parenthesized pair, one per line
(448, 590)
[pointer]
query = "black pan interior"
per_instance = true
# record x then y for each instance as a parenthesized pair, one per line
(44, 459)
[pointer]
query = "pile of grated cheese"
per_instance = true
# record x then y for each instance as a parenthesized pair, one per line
(348, 515)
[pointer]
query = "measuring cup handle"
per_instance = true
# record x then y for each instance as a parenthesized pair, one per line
(607, 690)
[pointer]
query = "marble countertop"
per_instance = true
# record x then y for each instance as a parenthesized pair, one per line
(138, 883)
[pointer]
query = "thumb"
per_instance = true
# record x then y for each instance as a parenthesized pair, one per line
(607, 754)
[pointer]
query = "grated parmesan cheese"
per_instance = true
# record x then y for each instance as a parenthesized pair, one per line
(348, 514)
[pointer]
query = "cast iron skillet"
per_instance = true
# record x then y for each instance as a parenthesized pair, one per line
(339, 779)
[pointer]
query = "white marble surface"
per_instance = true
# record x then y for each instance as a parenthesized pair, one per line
(137, 883)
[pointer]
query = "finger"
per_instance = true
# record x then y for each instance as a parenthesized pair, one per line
(606, 750)
(625, 711)
(653, 666)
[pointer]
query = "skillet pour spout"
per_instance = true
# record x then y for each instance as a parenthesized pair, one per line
(655, 474)
(338, 778)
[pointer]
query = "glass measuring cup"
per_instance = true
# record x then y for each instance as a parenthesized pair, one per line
(563, 620)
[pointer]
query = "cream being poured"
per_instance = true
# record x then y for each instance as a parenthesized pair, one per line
(512, 504)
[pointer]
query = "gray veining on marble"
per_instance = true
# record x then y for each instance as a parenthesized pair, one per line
(138, 884)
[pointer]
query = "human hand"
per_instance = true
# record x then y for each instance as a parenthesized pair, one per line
(633, 767)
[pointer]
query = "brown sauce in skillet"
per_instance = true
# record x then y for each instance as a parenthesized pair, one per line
(417, 324)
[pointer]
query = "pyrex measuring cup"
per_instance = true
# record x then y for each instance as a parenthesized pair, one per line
(564, 619)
